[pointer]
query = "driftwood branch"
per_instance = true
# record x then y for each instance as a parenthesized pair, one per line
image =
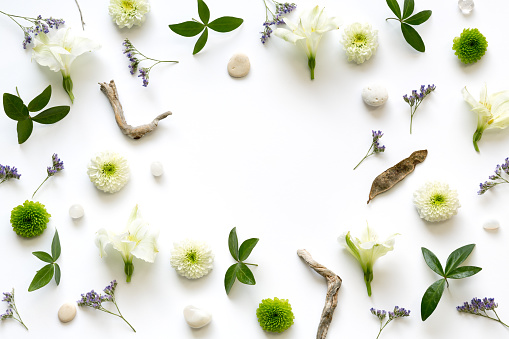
(331, 299)
(110, 90)
(81, 15)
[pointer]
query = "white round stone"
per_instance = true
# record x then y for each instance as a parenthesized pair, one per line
(157, 169)
(466, 6)
(491, 225)
(76, 211)
(239, 65)
(67, 312)
(195, 317)
(375, 95)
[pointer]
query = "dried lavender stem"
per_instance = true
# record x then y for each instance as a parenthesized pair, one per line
(110, 90)
(331, 299)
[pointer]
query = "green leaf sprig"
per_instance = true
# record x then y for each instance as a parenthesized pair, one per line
(406, 19)
(192, 28)
(45, 274)
(452, 270)
(239, 270)
(17, 110)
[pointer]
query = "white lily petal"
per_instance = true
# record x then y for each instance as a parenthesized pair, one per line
(101, 241)
(469, 98)
(146, 249)
(287, 35)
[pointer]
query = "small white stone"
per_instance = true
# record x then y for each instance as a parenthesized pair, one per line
(375, 95)
(76, 211)
(195, 317)
(239, 65)
(466, 6)
(67, 312)
(491, 225)
(157, 169)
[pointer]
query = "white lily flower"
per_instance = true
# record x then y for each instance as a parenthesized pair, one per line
(492, 111)
(136, 241)
(308, 32)
(367, 250)
(58, 49)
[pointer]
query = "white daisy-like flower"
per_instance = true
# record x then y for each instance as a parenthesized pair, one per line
(109, 171)
(127, 13)
(192, 259)
(435, 201)
(360, 42)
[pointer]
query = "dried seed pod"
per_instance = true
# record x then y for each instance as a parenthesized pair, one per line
(396, 173)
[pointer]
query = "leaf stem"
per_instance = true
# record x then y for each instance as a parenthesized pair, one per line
(393, 19)
(249, 264)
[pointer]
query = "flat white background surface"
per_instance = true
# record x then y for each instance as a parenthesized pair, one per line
(272, 154)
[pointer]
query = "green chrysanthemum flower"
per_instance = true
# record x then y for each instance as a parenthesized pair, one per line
(470, 46)
(30, 219)
(275, 315)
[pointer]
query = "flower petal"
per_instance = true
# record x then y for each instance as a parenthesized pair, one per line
(101, 241)
(287, 35)
(146, 248)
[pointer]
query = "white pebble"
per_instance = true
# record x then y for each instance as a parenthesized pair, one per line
(375, 95)
(491, 225)
(67, 312)
(76, 211)
(195, 317)
(466, 6)
(157, 169)
(239, 65)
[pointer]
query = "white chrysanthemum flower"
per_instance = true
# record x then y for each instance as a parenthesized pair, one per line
(109, 171)
(360, 42)
(192, 259)
(435, 201)
(127, 13)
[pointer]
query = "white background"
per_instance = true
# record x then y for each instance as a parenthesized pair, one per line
(271, 154)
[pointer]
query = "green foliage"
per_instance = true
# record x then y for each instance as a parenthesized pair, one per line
(452, 270)
(46, 273)
(239, 270)
(406, 19)
(275, 315)
(470, 46)
(16, 110)
(192, 28)
(30, 219)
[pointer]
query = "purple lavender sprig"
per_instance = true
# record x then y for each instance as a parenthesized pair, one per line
(131, 53)
(415, 99)
(39, 25)
(277, 18)
(95, 300)
(481, 307)
(12, 311)
(8, 172)
(375, 146)
(380, 314)
(56, 167)
(496, 178)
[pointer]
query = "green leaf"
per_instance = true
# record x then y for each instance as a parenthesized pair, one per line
(14, 107)
(40, 101)
(42, 277)
(457, 257)
(202, 40)
(229, 277)
(225, 24)
(57, 274)
(55, 246)
(408, 8)
(233, 244)
(431, 298)
(203, 11)
(187, 28)
(419, 18)
(432, 261)
(24, 128)
(245, 275)
(412, 37)
(246, 248)
(52, 115)
(44, 256)
(464, 272)
(394, 6)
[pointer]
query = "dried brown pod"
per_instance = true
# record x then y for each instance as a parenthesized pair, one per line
(396, 173)
(110, 90)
